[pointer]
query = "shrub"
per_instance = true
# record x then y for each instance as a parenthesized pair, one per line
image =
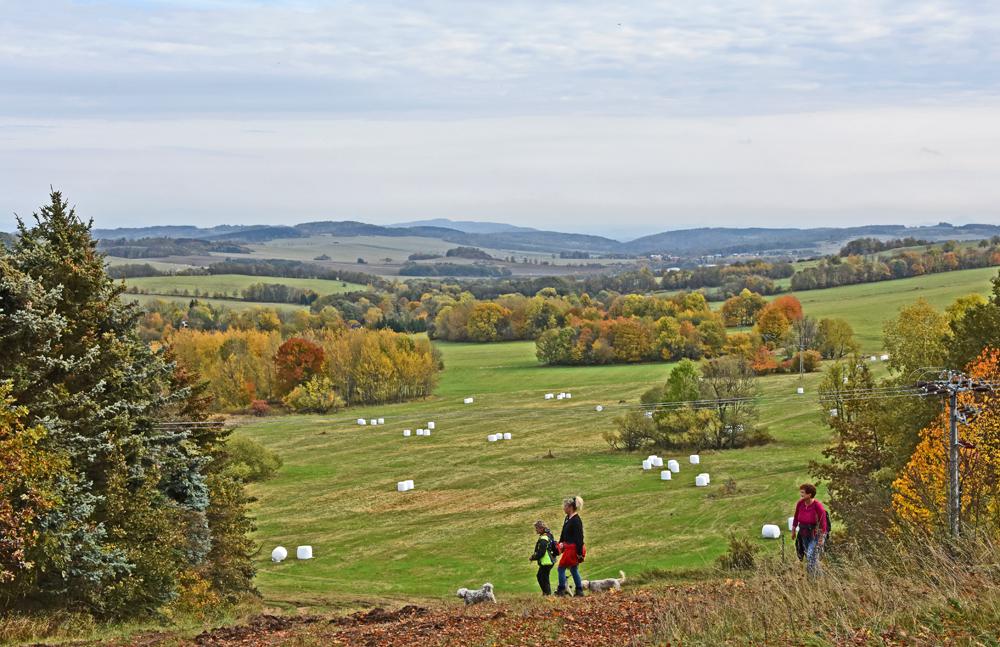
(260, 408)
(314, 396)
(251, 460)
(741, 556)
(632, 431)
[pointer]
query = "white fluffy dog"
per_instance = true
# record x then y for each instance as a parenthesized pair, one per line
(599, 586)
(475, 596)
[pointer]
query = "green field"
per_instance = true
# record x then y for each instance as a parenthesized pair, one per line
(222, 303)
(469, 518)
(232, 284)
(867, 305)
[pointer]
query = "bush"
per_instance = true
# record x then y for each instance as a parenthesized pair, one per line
(741, 556)
(250, 460)
(260, 408)
(314, 396)
(633, 430)
(811, 360)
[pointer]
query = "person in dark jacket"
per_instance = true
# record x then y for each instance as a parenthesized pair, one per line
(543, 557)
(571, 546)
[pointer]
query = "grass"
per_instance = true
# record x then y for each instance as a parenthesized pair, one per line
(232, 284)
(224, 303)
(867, 305)
(469, 518)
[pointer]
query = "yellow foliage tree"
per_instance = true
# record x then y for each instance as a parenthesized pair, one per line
(920, 491)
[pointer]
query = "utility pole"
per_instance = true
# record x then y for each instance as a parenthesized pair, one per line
(951, 383)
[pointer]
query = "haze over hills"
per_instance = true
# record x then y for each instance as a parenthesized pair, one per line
(468, 226)
(685, 242)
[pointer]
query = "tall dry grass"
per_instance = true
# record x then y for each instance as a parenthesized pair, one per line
(916, 593)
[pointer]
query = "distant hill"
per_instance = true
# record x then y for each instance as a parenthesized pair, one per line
(684, 242)
(728, 240)
(468, 226)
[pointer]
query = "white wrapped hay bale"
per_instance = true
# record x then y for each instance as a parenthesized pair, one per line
(373, 421)
(694, 459)
(569, 396)
(708, 479)
(420, 432)
(673, 466)
(468, 400)
(647, 465)
(549, 396)
(560, 396)
(406, 433)
(304, 552)
(506, 436)
(701, 481)
(791, 524)
(665, 475)
(401, 486)
(884, 358)
(362, 422)
(430, 425)
(874, 359)
(279, 554)
(599, 408)
(492, 438)
(800, 390)
(409, 484)
(427, 432)
(657, 461)
(381, 421)
(770, 531)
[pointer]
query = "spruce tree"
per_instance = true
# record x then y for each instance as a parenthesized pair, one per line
(133, 516)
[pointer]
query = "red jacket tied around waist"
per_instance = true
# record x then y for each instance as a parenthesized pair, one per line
(571, 542)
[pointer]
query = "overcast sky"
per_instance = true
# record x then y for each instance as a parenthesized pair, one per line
(560, 115)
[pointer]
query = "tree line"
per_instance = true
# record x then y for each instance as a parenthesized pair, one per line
(834, 271)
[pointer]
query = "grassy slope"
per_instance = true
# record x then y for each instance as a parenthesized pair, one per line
(469, 518)
(867, 305)
(225, 303)
(233, 283)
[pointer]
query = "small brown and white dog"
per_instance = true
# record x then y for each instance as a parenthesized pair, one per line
(475, 596)
(608, 584)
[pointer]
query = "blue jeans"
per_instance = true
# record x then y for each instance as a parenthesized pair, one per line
(812, 555)
(575, 570)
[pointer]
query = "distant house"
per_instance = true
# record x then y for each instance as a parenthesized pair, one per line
(673, 269)
(656, 257)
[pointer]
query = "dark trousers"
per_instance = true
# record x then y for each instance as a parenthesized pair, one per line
(543, 579)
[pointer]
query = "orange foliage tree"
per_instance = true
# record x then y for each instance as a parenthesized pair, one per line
(297, 360)
(920, 492)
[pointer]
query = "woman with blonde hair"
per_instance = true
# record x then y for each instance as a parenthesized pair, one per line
(571, 546)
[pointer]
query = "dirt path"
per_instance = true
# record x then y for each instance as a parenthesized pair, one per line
(610, 619)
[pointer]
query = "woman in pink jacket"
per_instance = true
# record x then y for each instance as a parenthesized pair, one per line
(811, 524)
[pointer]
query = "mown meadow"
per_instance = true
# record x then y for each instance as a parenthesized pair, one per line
(469, 518)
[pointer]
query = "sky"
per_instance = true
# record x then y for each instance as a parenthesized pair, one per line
(612, 118)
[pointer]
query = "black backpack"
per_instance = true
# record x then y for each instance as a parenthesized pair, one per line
(553, 549)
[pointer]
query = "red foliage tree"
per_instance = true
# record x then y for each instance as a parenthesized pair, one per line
(296, 361)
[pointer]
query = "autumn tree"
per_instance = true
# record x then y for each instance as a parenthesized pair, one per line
(487, 321)
(731, 387)
(859, 466)
(742, 309)
(919, 496)
(835, 338)
(296, 361)
(916, 339)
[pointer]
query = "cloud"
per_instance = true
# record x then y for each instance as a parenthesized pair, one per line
(575, 172)
(520, 57)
